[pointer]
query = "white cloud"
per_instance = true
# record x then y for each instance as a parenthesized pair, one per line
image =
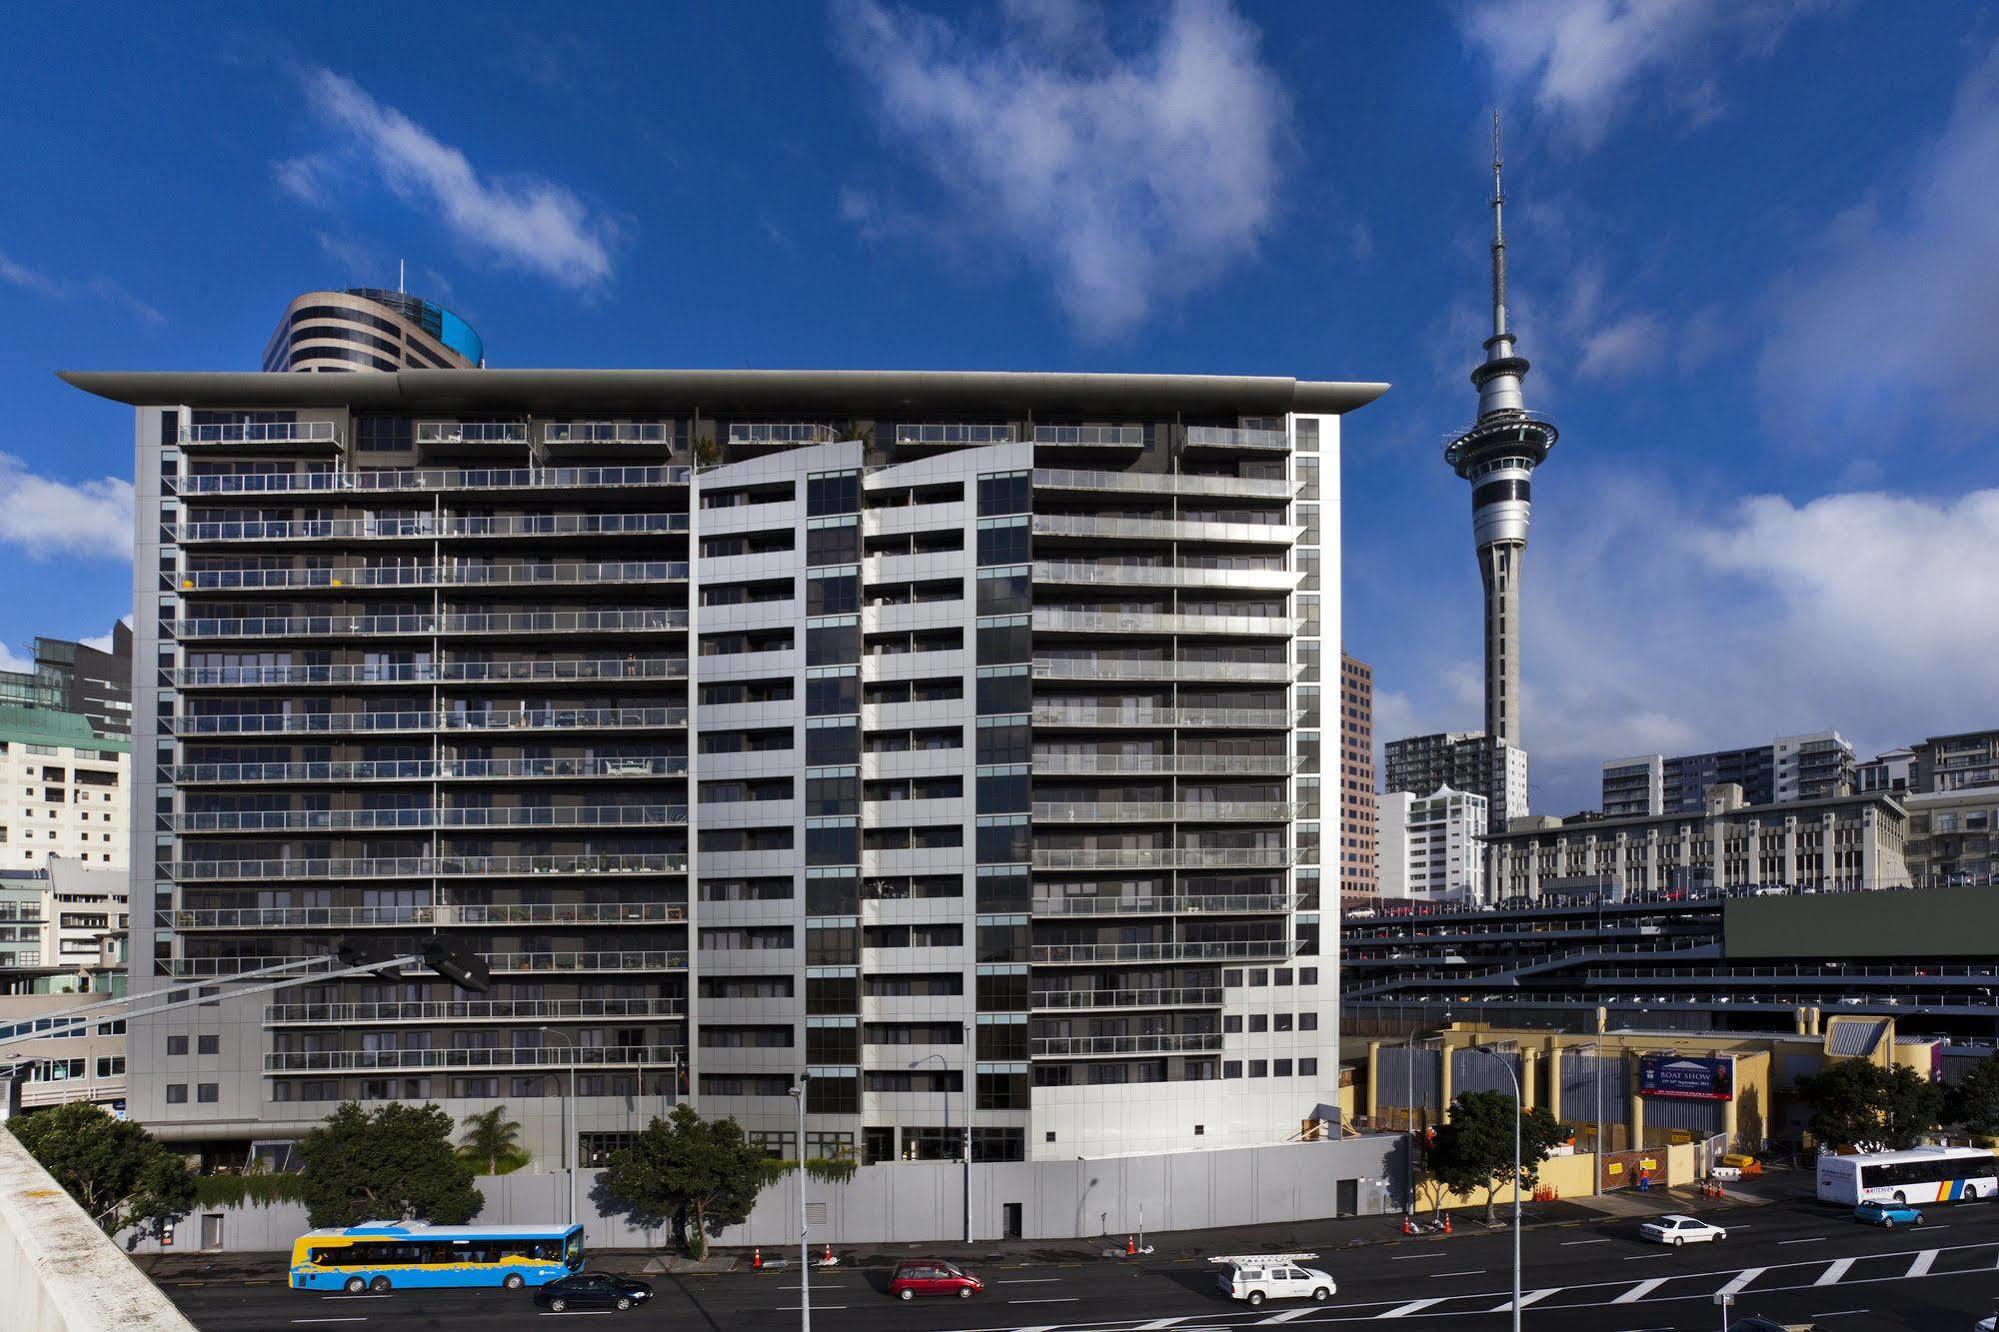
(46, 518)
(1889, 316)
(68, 289)
(10, 661)
(532, 223)
(1583, 62)
(304, 178)
(1130, 177)
(1621, 346)
(1656, 624)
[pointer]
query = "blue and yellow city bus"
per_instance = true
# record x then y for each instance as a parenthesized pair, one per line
(396, 1255)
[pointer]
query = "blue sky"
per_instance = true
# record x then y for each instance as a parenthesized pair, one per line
(1756, 264)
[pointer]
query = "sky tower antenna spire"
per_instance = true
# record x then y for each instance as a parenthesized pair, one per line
(1498, 237)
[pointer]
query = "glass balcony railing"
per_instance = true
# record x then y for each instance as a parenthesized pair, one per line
(1091, 436)
(781, 432)
(431, 527)
(1252, 765)
(429, 770)
(1230, 950)
(1165, 483)
(377, 820)
(1225, 438)
(1101, 527)
(589, 670)
(1089, 573)
(1165, 811)
(1183, 997)
(265, 432)
(1113, 668)
(655, 620)
(656, 433)
(954, 434)
(400, 917)
(425, 867)
(1239, 719)
(450, 575)
(1073, 1047)
(1050, 619)
(364, 723)
(425, 480)
(1255, 904)
(471, 432)
(537, 963)
(557, 1057)
(1163, 857)
(469, 1010)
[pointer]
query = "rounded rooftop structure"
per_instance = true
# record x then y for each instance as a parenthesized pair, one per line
(367, 328)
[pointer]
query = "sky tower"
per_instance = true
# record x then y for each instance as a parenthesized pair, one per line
(1498, 453)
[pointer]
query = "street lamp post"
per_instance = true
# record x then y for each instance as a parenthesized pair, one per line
(964, 1142)
(804, 1239)
(569, 1119)
(1510, 1073)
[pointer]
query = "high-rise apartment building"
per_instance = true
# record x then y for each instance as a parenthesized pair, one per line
(1357, 799)
(1463, 761)
(1432, 846)
(367, 328)
(1953, 762)
(953, 738)
(1815, 766)
(65, 790)
(75, 677)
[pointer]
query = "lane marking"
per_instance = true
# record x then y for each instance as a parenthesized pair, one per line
(357, 1297)
(359, 1318)
(585, 1313)
(1030, 1281)
(1406, 1257)
(1161, 1324)
(781, 1308)
(1476, 1271)
(1835, 1274)
(1284, 1317)
(1414, 1306)
(1641, 1257)
(1922, 1263)
(1809, 1239)
(1840, 1313)
(1641, 1290)
(1569, 1244)
(1742, 1278)
(1528, 1298)
(1069, 1299)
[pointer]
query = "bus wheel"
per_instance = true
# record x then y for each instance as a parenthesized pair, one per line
(355, 1285)
(380, 1285)
(514, 1281)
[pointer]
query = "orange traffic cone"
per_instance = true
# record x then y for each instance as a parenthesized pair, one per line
(757, 1259)
(826, 1258)
(1447, 1223)
(1130, 1245)
(1408, 1226)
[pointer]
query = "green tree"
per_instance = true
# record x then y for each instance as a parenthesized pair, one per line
(394, 1162)
(700, 1174)
(1858, 1104)
(1974, 1102)
(1474, 1149)
(493, 1141)
(113, 1168)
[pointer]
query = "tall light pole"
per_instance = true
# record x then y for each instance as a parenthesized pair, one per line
(569, 1119)
(1488, 1050)
(804, 1242)
(964, 1141)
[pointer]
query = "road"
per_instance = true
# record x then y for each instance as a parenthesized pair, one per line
(1794, 1262)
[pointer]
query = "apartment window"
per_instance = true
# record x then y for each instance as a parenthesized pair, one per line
(1231, 1068)
(833, 591)
(832, 741)
(1004, 591)
(208, 1045)
(833, 642)
(1259, 1068)
(1282, 1068)
(208, 1093)
(832, 492)
(832, 540)
(1003, 540)
(1003, 689)
(1003, 492)
(1308, 1068)
(1004, 740)
(832, 691)
(1006, 639)
(176, 1093)
(999, 1144)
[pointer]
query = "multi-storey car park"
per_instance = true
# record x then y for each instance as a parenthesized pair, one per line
(951, 738)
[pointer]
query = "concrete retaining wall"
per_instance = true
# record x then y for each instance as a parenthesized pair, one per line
(58, 1271)
(915, 1201)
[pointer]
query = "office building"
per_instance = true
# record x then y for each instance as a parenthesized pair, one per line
(63, 929)
(1954, 836)
(65, 790)
(1357, 799)
(75, 677)
(1789, 768)
(1953, 762)
(1431, 846)
(1463, 761)
(951, 737)
(366, 328)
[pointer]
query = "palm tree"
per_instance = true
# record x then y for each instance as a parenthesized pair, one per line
(494, 1140)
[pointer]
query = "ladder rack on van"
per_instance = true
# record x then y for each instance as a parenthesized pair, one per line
(1262, 1259)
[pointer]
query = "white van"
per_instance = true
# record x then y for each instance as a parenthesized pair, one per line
(1256, 1277)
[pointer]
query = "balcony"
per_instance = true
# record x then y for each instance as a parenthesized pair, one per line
(438, 917)
(1090, 436)
(450, 575)
(1228, 950)
(1223, 440)
(1047, 619)
(425, 867)
(1239, 765)
(658, 620)
(1165, 483)
(273, 432)
(430, 527)
(382, 820)
(470, 1010)
(1096, 527)
(1163, 858)
(583, 671)
(430, 433)
(377, 723)
(1065, 1000)
(555, 1057)
(1167, 811)
(1116, 668)
(1081, 1047)
(193, 968)
(616, 766)
(953, 436)
(1086, 573)
(655, 433)
(1232, 719)
(427, 480)
(779, 434)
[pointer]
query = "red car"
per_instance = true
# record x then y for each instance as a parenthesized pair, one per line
(933, 1276)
